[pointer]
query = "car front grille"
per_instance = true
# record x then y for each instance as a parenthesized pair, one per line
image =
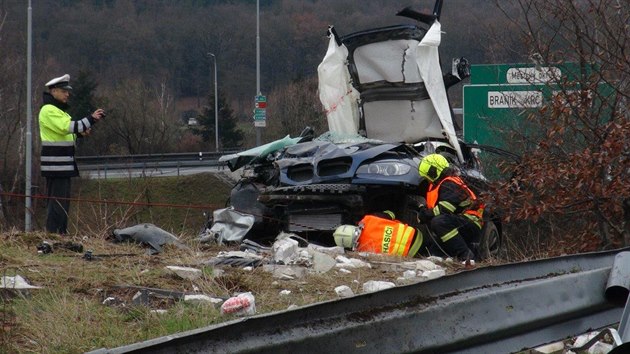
(300, 173)
(334, 167)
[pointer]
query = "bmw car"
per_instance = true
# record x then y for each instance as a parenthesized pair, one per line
(386, 103)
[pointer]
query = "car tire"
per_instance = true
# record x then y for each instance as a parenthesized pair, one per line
(490, 241)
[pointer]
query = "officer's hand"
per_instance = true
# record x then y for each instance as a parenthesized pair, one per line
(416, 204)
(98, 114)
(425, 214)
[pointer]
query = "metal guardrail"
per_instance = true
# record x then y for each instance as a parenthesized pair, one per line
(151, 158)
(497, 309)
(186, 156)
(151, 161)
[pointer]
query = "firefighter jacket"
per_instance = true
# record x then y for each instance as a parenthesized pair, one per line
(451, 195)
(381, 235)
(58, 133)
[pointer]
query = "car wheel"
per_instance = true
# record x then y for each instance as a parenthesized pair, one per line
(490, 242)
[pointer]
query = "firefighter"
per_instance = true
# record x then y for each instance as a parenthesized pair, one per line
(382, 233)
(452, 210)
(58, 132)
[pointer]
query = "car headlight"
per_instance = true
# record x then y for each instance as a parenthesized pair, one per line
(385, 169)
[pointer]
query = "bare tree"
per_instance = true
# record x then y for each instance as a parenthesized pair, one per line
(577, 176)
(12, 100)
(140, 120)
(293, 107)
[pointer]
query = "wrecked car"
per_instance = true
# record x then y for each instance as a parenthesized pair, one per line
(386, 104)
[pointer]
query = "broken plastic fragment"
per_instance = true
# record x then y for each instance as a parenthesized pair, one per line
(242, 304)
(16, 282)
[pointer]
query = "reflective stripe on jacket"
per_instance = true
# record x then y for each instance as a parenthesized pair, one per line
(56, 130)
(467, 207)
(381, 235)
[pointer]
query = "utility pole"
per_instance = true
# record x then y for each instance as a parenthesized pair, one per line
(258, 93)
(29, 119)
(216, 106)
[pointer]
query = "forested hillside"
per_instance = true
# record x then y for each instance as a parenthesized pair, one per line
(168, 41)
(165, 44)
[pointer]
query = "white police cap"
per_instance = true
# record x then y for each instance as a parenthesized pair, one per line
(60, 82)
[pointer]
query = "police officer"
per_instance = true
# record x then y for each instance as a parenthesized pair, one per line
(58, 132)
(452, 210)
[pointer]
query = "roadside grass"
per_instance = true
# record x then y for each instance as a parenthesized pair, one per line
(68, 315)
(175, 204)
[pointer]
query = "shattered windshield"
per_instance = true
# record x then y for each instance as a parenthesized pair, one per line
(345, 138)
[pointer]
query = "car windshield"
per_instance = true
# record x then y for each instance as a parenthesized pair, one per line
(345, 138)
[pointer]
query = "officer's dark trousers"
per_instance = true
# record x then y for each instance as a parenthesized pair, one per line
(57, 217)
(461, 234)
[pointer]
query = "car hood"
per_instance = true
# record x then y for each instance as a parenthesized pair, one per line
(313, 152)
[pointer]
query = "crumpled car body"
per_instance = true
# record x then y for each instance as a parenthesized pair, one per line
(385, 99)
(322, 184)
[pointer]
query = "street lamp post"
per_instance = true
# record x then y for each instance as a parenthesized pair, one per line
(216, 105)
(258, 129)
(29, 121)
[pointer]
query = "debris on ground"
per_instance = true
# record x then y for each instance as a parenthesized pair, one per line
(128, 295)
(46, 247)
(200, 299)
(284, 250)
(344, 291)
(147, 234)
(240, 305)
(331, 251)
(344, 262)
(186, 272)
(377, 285)
(285, 272)
(236, 259)
(596, 342)
(227, 225)
(16, 282)
(249, 245)
(321, 262)
(111, 301)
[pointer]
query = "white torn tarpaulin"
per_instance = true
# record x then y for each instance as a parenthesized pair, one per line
(429, 66)
(339, 98)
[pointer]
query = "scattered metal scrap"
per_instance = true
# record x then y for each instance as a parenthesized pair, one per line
(148, 234)
(486, 310)
(46, 247)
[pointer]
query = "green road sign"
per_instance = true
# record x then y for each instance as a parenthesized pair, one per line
(501, 97)
(522, 74)
(260, 113)
(491, 110)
